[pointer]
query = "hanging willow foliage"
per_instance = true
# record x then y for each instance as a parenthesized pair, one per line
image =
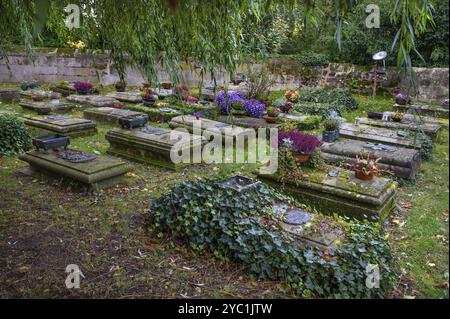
(208, 34)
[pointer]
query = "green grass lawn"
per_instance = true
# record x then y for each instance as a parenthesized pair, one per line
(45, 226)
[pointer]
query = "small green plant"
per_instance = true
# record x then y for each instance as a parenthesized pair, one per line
(310, 123)
(342, 98)
(14, 136)
(330, 125)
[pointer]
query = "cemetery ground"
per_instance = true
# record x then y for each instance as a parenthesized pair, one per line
(44, 227)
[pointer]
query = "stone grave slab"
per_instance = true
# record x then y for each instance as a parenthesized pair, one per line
(422, 110)
(127, 97)
(187, 122)
(64, 90)
(403, 162)
(102, 172)
(399, 138)
(46, 107)
(343, 194)
(8, 95)
(419, 118)
(163, 93)
(64, 125)
(92, 100)
(432, 130)
(34, 92)
(247, 122)
(150, 145)
(108, 114)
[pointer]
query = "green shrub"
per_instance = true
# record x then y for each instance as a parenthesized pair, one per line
(14, 136)
(154, 114)
(343, 98)
(309, 58)
(311, 123)
(244, 227)
(330, 125)
(322, 109)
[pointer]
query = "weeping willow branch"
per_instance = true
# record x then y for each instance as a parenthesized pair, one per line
(210, 34)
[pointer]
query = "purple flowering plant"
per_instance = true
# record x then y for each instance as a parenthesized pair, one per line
(299, 142)
(83, 86)
(230, 101)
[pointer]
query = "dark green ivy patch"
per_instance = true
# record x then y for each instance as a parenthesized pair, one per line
(242, 227)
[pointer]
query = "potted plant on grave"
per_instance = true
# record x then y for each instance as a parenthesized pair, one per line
(149, 97)
(397, 117)
(167, 85)
(402, 98)
(272, 114)
(302, 145)
(83, 88)
(24, 86)
(286, 107)
(331, 130)
(37, 98)
(292, 96)
(366, 167)
(120, 86)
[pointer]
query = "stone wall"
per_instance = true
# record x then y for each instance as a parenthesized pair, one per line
(53, 65)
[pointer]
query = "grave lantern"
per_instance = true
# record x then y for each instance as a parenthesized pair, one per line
(377, 70)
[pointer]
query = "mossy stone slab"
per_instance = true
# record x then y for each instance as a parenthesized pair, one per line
(152, 147)
(109, 114)
(34, 92)
(64, 125)
(92, 100)
(344, 194)
(432, 130)
(247, 122)
(422, 110)
(403, 162)
(8, 95)
(187, 122)
(127, 97)
(378, 135)
(100, 173)
(39, 107)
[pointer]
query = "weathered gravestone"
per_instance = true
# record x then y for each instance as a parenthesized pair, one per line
(98, 173)
(65, 90)
(403, 162)
(426, 110)
(432, 130)
(152, 145)
(92, 100)
(46, 107)
(210, 126)
(35, 92)
(127, 97)
(109, 114)
(247, 122)
(62, 124)
(9, 95)
(343, 194)
(399, 138)
(163, 93)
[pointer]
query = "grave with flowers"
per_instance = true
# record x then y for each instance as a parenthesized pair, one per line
(109, 114)
(92, 100)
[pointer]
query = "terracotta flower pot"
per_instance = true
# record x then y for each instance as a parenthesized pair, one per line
(270, 119)
(38, 98)
(302, 158)
(362, 176)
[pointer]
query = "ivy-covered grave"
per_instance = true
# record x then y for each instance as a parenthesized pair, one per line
(153, 145)
(14, 135)
(401, 161)
(61, 124)
(204, 126)
(8, 95)
(430, 129)
(425, 110)
(109, 114)
(275, 237)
